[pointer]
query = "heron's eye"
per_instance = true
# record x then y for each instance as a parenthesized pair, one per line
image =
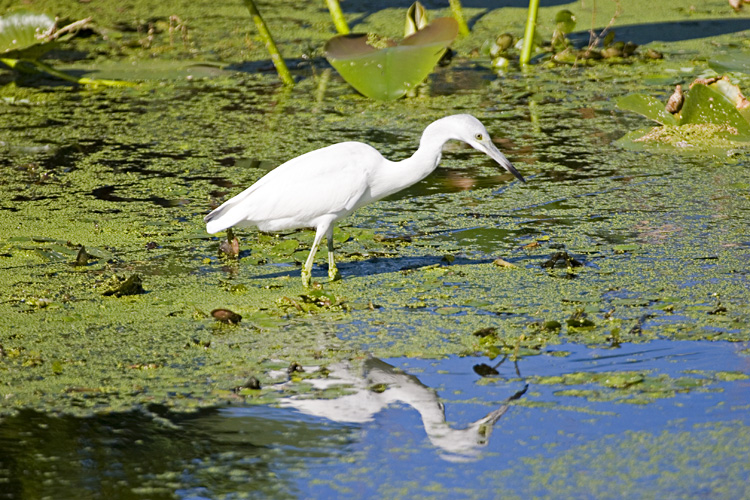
(479, 137)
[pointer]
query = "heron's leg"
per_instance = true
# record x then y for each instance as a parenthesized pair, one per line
(307, 268)
(333, 272)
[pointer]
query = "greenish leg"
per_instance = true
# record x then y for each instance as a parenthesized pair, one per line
(307, 268)
(333, 272)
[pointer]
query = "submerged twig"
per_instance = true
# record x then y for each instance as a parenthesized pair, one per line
(54, 33)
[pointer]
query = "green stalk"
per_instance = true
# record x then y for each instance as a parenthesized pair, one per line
(458, 15)
(265, 35)
(528, 36)
(338, 17)
(320, 92)
(45, 68)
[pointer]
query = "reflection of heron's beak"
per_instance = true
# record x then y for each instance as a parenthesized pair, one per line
(496, 155)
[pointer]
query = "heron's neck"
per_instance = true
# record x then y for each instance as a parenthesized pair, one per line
(402, 174)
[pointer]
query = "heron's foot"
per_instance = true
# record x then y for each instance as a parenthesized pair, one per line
(306, 278)
(333, 273)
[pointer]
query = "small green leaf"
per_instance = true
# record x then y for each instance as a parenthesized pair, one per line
(566, 21)
(648, 106)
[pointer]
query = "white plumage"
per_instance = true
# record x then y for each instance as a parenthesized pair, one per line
(318, 188)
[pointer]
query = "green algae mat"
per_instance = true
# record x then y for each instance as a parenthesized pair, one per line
(110, 284)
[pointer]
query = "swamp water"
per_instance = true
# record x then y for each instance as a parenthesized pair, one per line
(611, 361)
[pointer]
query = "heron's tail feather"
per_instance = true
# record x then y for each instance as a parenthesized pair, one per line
(223, 217)
(226, 216)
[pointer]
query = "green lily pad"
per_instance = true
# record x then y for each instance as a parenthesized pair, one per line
(648, 106)
(733, 61)
(390, 71)
(145, 70)
(705, 105)
(24, 31)
(713, 119)
(734, 95)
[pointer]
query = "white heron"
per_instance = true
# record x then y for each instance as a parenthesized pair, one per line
(318, 188)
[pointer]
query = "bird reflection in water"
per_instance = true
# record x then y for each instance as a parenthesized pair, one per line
(381, 385)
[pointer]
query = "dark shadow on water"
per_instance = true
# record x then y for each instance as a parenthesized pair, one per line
(369, 267)
(106, 193)
(673, 31)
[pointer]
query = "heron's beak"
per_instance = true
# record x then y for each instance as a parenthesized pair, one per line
(496, 155)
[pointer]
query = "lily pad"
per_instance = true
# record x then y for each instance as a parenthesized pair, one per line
(391, 70)
(715, 117)
(648, 106)
(22, 31)
(145, 70)
(705, 105)
(734, 61)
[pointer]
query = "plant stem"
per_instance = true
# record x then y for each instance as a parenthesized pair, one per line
(265, 35)
(528, 36)
(338, 17)
(458, 15)
(45, 68)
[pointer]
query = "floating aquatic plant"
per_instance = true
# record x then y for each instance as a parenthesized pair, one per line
(736, 60)
(382, 69)
(712, 114)
(560, 49)
(25, 37)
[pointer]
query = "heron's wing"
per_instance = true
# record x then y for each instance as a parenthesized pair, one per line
(326, 181)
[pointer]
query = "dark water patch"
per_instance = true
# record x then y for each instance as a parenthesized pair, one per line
(106, 193)
(461, 77)
(155, 454)
(24, 198)
(54, 157)
(673, 31)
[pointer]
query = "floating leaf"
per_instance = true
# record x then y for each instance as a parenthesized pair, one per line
(734, 94)
(24, 30)
(648, 106)
(715, 117)
(390, 72)
(705, 105)
(734, 61)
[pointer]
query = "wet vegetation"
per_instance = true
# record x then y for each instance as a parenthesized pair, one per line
(117, 306)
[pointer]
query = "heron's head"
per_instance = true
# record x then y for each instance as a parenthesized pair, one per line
(472, 132)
